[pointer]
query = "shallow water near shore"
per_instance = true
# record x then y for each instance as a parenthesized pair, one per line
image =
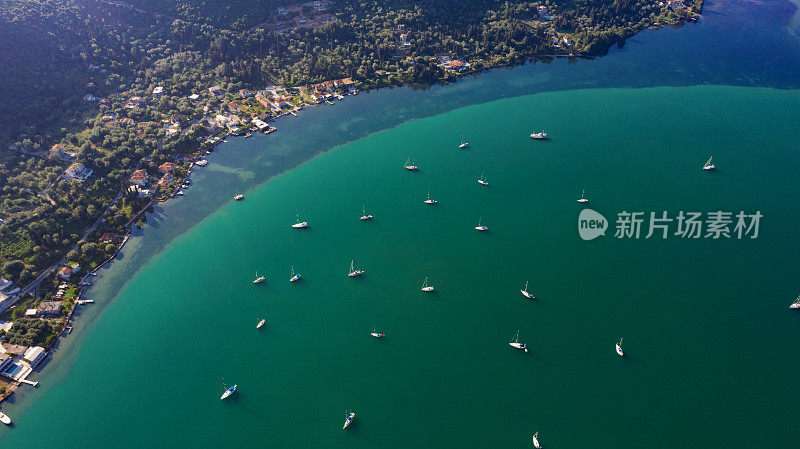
(149, 368)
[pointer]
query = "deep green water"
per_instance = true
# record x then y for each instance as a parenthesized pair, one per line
(711, 347)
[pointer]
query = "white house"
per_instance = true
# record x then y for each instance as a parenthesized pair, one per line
(34, 355)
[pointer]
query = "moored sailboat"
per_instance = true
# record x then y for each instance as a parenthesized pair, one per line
(353, 272)
(516, 344)
(376, 334)
(228, 392)
(294, 276)
(429, 200)
(539, 136)
(481, 227)
(482, 181)
(258, 279)
(583, 199)
(708, 165)
(619, 349)
(426, 287)
(536, 440)
(349, 420)
(795, 304)
(364, 215)
(410, 166)
(526, 293)
(299, 224)
(463, 143)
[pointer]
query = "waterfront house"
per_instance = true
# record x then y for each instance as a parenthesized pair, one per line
(139, 178)
(261, 125)
(78, 172)
(49, 309)
(34, 355)
(166, 167)
(68, 270)
(166, 179)
(343, 83)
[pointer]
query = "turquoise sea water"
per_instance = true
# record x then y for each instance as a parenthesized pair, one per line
(710, 343)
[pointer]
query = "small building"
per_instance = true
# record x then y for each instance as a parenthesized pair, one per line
(166, 179)
(49, 309)
(166, 167)
(108, 237)
(245, 93)
(78, 172)
(261, 125)
(66, 271)
(158, 92)
(34, 355)
(215, 90)
(31, 312)
(194, 97)
(139, 178)
(343, 83)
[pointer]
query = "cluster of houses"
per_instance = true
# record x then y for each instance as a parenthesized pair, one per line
(17, 362)
(302, 15)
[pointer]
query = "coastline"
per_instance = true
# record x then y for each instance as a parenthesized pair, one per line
(122, 247)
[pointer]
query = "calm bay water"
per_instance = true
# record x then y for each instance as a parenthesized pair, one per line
(709, 340)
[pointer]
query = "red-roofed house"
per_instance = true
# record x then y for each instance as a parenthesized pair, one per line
(108, 237)
(139, 178)
(166, 167)
(166, 179)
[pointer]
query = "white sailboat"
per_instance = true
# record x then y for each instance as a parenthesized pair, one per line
(539, 136)
(426, 287)
(536, 440)
(261, 323)
(516, 344)
(795, 304)
(410, 166)
(376, 334)
(258, 279)
(228, 392)
(353, 272)
(364, 215)
(526, 293)
(619, 349)
(481, 227)
(299, 224)
(349, 420)
(482, 181)
(708, 165)
(463, 143)
(583, 199)
(429, 200)
(294, 276)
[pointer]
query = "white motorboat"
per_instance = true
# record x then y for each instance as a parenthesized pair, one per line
(516, 344)
(349, 420)
(619, 349)
(238, 197)
(353, 272)
(526, 293)
(261, 324)
(5, 419)
(426, 287)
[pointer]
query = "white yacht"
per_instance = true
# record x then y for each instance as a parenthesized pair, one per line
(583, 199)
(482, 181)
(353, 272)
(226, 394)
(539, 136)
(376, 334)
(364, 215)
(516, 344)
(261, 324)
(429, 200)
(238, 197)
(349, 420)
(619, 349)
(259, 279)
(299, 224)
(294, 276)
(708, 165)
(481, 227)
(5, 419)
(526, 293)
(795, 304)
(536, 440)
(409, 166)
(426, 287)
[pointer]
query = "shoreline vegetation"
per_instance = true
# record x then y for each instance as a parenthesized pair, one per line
(143, 95)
